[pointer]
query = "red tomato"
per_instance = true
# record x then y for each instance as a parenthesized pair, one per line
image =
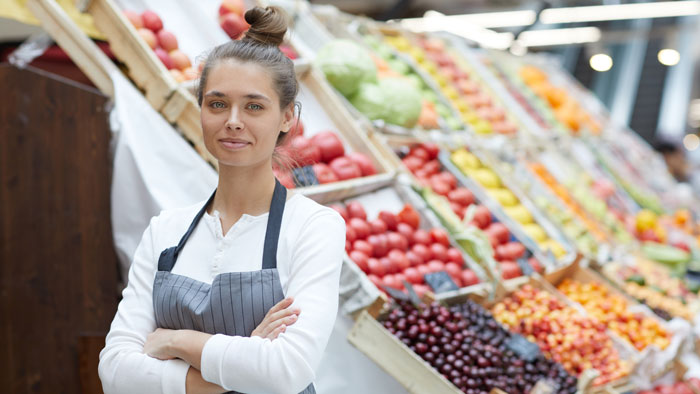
(510, 270)
(535, 264)
(414, 258)
(423, 270)
(456, 208)
(421, 290)
(341, 210)
(439, 252)
(455, 256)
(419, 152)
(432, 167)
(324, 174)
(440, 236)
(360, 259)
(422, 236)
(469, 278)
(499, 231)
(454, 270)
(363, 246)
(397, 241)
(345, 168)
(376, 267)
(390, 219)
(380, 244)
(399, 259)
(350, 234)
(439, 186)
(388, 265)
(399, 279)
(375, 279)
(356, 210)
(348, 246)
(436, 265)
(449, 179)
(361, 227)
(422, 251)
(494, 240)
(482, 217)
(364, 162)
(390, 281)
(432, 149)
(461, 196)
(412, 163)
(377, 226)
(413, 276)
(409, 216)
(304, 152)
(406, 231)
(330, 144)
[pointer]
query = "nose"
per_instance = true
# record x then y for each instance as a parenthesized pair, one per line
(234, 122)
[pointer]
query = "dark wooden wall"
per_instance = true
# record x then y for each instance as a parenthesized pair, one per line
(58, 268)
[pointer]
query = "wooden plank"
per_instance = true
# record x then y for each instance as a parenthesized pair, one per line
(416, 375)
(143, 66)
(86, 55)
(58, 278)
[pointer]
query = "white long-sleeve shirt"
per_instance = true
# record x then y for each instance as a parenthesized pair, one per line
(309, 258)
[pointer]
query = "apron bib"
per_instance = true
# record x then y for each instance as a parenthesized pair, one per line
(235, 302)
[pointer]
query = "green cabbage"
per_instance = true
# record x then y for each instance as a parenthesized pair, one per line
(346, 65)
(393, 100)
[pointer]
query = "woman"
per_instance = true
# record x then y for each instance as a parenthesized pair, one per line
(201, 314)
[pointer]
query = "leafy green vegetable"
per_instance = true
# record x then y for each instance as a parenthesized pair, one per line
(346, 65)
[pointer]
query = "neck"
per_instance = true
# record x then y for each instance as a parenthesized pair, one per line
(243, 191)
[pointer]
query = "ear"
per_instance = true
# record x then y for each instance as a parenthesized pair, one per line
(288, 118)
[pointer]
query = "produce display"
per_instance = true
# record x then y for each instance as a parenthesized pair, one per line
(457, 83)
(469, 348)
(324, 153)
(164, 44)
(613, 310)
(471, 166)
(422, 161)
(578, 342)
(692, 386)
(654, 286)
(393, 248)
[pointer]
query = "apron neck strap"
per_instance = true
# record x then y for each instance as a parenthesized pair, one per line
(274, 223)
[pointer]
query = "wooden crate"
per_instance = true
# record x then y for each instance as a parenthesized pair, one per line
(396, 359)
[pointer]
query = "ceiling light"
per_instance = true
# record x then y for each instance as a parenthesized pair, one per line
(669, 57)
(601, 62)
(576, 35)
(659, 9)
(691, 142)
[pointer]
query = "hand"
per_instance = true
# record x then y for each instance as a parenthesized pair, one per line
(159, 344)
(278, 318)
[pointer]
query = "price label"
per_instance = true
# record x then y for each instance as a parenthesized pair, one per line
(440, 282)
(396, 294)
(525, 267)
(412, 293)
(304, 176)
(522, 347)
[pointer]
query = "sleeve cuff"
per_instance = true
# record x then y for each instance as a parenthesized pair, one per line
(175, 377)
(212, 355)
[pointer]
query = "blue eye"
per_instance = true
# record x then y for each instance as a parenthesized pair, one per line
(255, 107)
(217, 105)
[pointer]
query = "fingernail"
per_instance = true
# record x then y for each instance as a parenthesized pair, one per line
(294, 317)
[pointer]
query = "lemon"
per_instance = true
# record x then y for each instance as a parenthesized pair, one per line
(646, 220)
(504, 196)
(465, 161)
(487, 178)
(535, 232)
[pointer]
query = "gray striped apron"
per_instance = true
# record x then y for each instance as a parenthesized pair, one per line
(236, 302)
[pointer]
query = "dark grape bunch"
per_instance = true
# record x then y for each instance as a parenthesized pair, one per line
(468, 347)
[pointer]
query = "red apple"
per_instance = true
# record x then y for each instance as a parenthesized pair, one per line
(324, 174)
(165, 58)
(233, 24)
(149, 37)
(152, 21)
(134, 17)
(330, 144)
(364, 162)
(344, 168)
(304, 152)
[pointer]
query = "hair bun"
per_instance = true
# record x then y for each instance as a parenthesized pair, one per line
(267, 25)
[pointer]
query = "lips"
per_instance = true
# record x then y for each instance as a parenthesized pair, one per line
(234, 144)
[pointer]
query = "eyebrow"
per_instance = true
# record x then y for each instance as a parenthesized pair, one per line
(252, 96)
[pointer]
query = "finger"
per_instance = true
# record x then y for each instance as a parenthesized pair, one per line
(285, 303)
(284, 313)
(272, 326)
(276, 332)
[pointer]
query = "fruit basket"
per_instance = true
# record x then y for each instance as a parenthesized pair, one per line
(444, 193)
(452, 348)
(474, 168)
(393, 237)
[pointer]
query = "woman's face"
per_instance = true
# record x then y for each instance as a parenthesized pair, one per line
(241, 115)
